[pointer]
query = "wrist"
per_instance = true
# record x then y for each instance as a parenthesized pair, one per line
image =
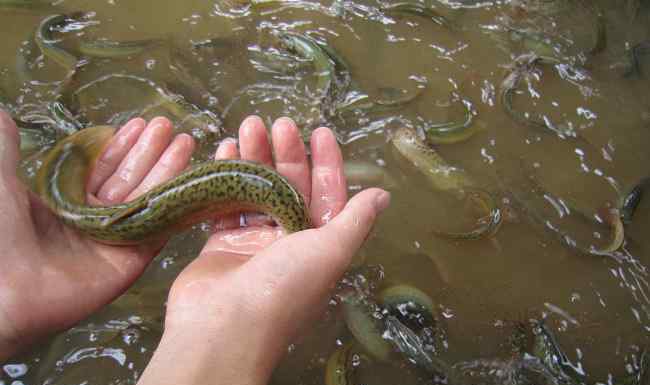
(7, 349)
(194, 355)
(8, 338)
(219, 343)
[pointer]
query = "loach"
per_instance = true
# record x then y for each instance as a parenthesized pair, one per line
(201, 192)
(444, 177)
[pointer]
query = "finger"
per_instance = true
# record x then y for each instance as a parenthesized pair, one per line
(16, 200)
(348, 230)
(227, 150)
(171, 163)
(291, 157)
(329, 188)
(254, 141)
(12, 191)
(351, 226)
(117, 148)
(138, 162)
(9, 145)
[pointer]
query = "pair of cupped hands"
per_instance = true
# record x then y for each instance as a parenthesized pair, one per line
(232, 312)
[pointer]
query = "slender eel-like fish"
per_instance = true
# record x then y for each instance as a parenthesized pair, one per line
(201, 192)
(444, 177)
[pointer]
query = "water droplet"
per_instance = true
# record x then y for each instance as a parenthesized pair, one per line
(447, 313)
(15, 370)
(130, 336)
(167, 262)
(327, 216)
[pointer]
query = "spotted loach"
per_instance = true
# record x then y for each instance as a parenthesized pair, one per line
(203, 191)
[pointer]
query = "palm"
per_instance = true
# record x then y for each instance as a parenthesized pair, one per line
(322, 185)
(66, 276)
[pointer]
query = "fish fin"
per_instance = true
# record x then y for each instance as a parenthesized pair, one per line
(122, 213)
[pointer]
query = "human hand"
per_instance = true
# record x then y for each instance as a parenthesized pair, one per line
(230, 315)
(52, 277)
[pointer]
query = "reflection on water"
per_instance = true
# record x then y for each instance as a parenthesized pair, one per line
(544, 103)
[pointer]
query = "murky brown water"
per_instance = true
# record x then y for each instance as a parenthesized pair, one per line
(598, 306)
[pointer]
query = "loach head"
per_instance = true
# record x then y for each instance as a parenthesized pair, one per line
(405, 134)
(66, 167)
(406, 139)
(290, 41)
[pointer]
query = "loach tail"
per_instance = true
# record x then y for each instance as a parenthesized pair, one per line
(61, 180)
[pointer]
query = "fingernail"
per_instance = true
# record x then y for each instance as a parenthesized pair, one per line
(158, 122)
(250, 121)
(229, 140)
(129, 129)
(155, 126)
(382, 200)
(109, 197)
(285, 120)
(132, 125)
(322, 139)
(180, 146)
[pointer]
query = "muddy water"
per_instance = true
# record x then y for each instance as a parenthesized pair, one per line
(597, 306)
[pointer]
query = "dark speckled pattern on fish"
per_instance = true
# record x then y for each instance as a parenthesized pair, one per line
(202, 192)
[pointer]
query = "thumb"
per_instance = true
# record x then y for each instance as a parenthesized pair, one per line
(320, 256)
(299, 271)
(15, 201)
(9, 145)
(349, 229)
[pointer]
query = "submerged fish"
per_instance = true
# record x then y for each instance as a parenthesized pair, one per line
(114, 49)
(631, 200)
(446, 178)
(50, 46)
(339, 370)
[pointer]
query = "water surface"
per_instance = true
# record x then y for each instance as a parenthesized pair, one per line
(597, 306)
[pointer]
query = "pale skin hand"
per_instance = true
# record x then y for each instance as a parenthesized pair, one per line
(228, 313)
(230, 317)
(45, 265)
